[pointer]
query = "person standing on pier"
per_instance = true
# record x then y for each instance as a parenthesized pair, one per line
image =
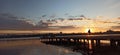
(89, 32)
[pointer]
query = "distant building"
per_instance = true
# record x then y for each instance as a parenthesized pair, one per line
(110, 30)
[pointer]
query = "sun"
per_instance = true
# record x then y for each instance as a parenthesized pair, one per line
(86, 30)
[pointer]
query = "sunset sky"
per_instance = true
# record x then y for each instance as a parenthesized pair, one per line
(38, 16)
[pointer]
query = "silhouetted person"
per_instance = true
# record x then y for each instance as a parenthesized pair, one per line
(89, 32)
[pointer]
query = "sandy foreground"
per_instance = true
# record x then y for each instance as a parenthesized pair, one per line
(31, 47)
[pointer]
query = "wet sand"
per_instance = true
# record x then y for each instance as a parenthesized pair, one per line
(32, 47)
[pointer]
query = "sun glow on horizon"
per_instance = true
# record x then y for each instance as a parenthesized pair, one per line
(91, 29)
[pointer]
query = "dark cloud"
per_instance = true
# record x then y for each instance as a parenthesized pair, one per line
(79, 17)
(53, 16)
(44, 15)
(66, 27)
(8, 21)
(75, 19)
(82, 16)
(63, 27)
(118, 18)
(43, 24)
(115, 22)
(53, 20)
(61, 19)
(47, 25)
(107, 22)
(115, 27)
(11, 22)
(7, 16)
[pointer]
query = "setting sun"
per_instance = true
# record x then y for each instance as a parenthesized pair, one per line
(86, 30)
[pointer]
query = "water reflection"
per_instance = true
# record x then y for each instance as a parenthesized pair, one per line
(67, 52)
(91, 43)
(32, 47)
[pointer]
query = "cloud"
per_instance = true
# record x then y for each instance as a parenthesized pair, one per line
(44, 24)
(82, 16)
(79, 17)
(75, 18)
(77, 23)
(53, 16)
(44, 15)
(11, 22)
(118, 18)
(8, 21)
(108, 21)
(7, 16)
(64, 27)
(61, 19)
(115, 27)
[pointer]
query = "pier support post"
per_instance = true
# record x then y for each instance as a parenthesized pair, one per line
(75, 41)
(118, 42)
(97, 43)
(92, 43)
(84, 42)
(68, 42)
(112, 43)
(60, 42)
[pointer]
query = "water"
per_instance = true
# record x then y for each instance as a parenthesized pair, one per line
(32, 47)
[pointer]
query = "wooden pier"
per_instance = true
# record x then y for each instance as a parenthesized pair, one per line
(88, 42)
(95, 39)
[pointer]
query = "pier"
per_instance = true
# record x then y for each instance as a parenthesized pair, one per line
(87, 41)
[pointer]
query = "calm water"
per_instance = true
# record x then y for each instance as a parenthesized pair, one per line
(32, 47)
(24, 46)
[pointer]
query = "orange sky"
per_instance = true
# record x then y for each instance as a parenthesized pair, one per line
(41, 16)
(70, 25)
